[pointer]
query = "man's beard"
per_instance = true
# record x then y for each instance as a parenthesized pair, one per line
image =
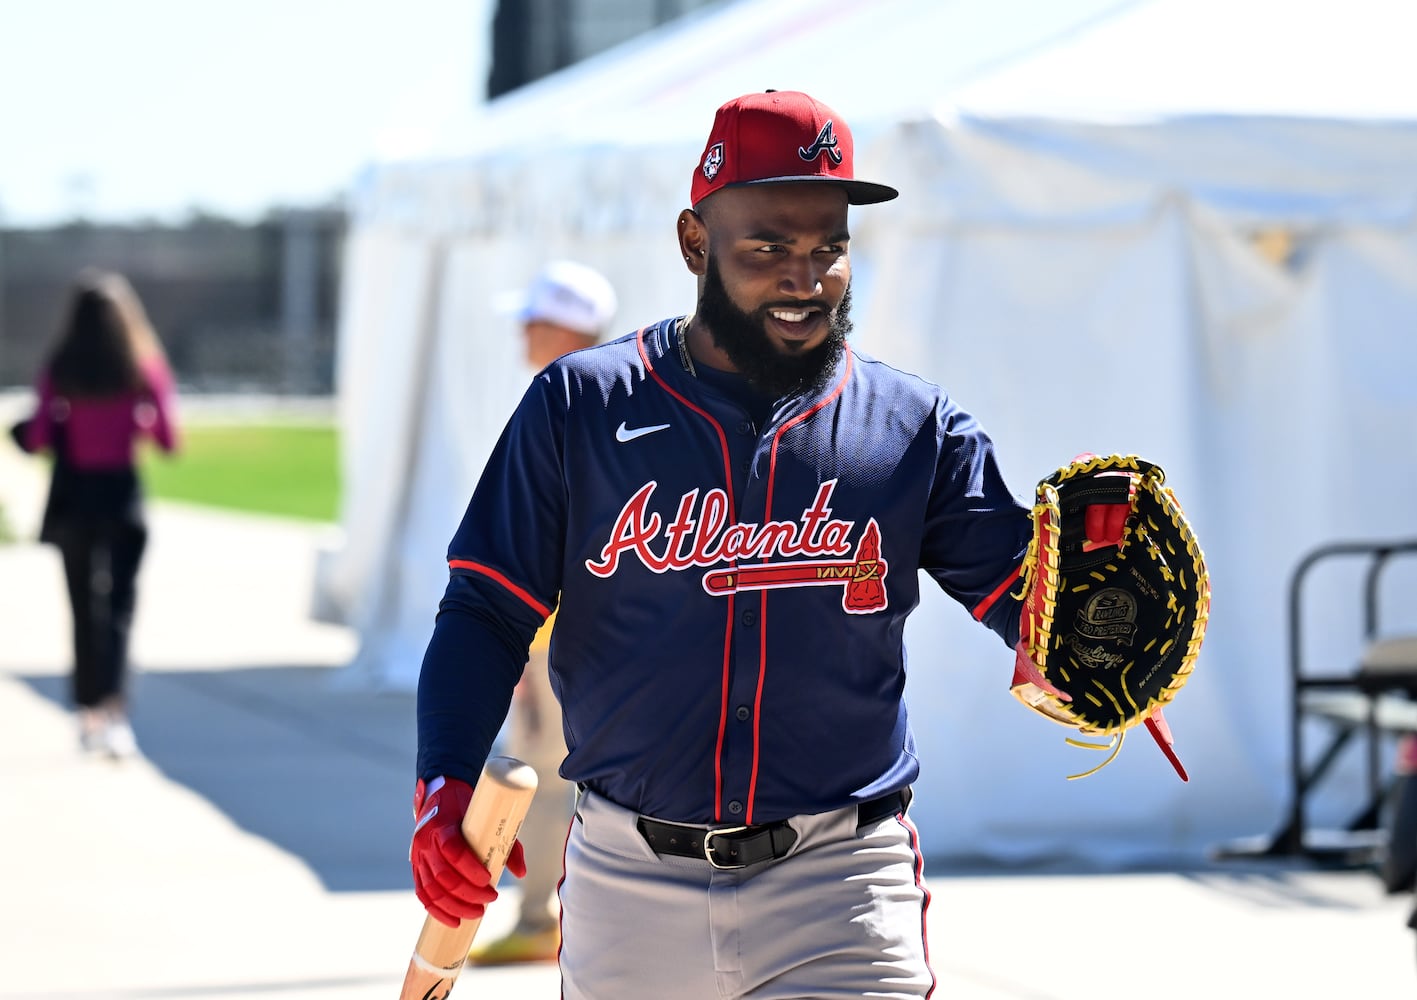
(743, 337)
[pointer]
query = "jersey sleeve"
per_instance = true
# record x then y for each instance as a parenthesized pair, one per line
(504, 565)
(976, 532)
(541, 643)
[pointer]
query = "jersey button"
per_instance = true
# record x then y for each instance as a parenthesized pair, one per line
(745, 428)
(743, 713)
(735, 807)
(750, 618)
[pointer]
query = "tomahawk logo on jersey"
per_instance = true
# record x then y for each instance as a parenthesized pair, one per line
(798, 549)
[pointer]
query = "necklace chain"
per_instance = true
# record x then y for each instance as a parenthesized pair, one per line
(684, 357)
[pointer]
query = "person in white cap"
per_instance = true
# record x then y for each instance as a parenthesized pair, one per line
(568, 307)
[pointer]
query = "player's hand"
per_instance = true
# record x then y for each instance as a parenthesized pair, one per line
(451, 883)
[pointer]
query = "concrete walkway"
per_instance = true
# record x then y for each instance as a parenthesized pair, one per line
(258, 847)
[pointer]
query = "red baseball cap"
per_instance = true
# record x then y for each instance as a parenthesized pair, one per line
(780, 137)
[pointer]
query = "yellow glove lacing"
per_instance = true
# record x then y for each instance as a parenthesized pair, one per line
(1042, 557)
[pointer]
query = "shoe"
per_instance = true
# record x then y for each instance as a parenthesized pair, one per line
(517, 947)
(118, 739)
(92, 731)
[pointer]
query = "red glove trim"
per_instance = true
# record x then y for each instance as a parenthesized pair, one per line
(1161, 733)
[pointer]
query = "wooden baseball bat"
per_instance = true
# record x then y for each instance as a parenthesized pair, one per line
(495, 814)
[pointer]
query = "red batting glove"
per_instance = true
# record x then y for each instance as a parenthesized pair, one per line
(450, 882)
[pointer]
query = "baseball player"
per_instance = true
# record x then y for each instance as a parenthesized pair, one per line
(567, 308)
(731, 508)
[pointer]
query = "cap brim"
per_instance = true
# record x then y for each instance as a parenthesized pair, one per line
(857, 192)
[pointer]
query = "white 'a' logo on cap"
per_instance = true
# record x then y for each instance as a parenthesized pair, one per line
(825, 142)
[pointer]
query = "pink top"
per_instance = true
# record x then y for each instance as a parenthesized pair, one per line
(102, 433)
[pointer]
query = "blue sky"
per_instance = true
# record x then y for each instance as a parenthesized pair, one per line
(128, 109)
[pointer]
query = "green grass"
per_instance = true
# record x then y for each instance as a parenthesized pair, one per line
(284, 469)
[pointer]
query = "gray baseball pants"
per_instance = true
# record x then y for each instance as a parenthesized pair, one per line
(841, 915)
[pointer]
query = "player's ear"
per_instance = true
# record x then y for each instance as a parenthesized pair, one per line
(693, 240)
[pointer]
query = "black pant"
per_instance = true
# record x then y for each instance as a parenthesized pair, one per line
(101, 562)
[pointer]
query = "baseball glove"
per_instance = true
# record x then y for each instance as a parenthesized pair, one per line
(1116, 601)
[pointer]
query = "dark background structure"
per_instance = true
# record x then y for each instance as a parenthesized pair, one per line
(245, 306)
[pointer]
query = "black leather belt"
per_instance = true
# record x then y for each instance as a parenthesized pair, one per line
(741, 846)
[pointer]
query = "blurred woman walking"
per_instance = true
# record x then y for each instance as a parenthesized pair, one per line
(104, 385)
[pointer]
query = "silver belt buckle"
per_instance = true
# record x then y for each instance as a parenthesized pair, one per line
(708, 848)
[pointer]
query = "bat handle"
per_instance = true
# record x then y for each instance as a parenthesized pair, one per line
(421, 965)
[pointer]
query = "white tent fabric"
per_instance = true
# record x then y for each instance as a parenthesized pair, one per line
(877, 60)
(1322, 59)
(1082, 266)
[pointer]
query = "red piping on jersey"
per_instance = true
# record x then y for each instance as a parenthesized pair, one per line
(982, 608)
(728, 626)
(763, 608)
(530, 601)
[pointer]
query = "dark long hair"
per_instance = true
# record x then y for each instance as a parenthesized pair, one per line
(105, 339)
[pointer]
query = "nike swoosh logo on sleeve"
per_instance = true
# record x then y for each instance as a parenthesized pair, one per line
(623, 433)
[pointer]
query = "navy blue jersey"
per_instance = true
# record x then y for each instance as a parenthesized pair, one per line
(732, 597)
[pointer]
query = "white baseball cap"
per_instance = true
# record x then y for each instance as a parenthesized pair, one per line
(565, 293)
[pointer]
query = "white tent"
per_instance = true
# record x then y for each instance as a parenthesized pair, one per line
(1080, 254)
